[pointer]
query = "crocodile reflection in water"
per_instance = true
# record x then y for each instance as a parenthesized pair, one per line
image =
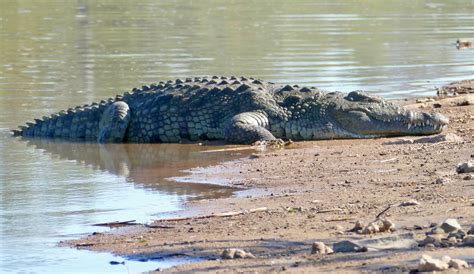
(146, 165)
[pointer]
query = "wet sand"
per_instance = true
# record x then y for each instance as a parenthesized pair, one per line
(316, 191)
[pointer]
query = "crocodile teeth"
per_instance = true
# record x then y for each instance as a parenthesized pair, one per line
(409, 126)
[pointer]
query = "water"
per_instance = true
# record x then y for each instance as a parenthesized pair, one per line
(58, 54)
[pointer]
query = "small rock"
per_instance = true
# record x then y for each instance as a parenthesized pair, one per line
(378, 226)
(387, 225)
(434, 240)
(320, 248)
(401, 241)
(468, 177)
(425, 100)
(371, 228)
(465, 167)
(228, 253)
(235, 253)
(459, 234)
(471, 230)
(463, 103)
(348, 246)
(452, 241)
(442, 181)
(458, 264)
(427, 264)
(450, 225)
(436, 231)
(410, 203)
(357, 227)
(446, 259)
(240, 254)
(430, 246)
(468, 241)
(418, 227)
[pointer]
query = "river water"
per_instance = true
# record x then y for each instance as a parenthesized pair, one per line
(58, 54)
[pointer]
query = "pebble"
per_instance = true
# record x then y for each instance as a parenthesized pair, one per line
(434, 240)
(450, 225)
(458, 264)
(378, 226)
(442, 181)
(235, 253)
(427, 264)
(452, 240)
(410, 203)
(465, 167)
(357, 227)
(348, 246)
(468, 241)
(458, 234)
(321, 248)
(425, 100)
(436, 230)
(471, 230)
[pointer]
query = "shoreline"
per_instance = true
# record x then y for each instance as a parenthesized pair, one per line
(317, 191)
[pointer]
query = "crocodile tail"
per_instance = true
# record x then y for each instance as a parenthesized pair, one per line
(80, 123)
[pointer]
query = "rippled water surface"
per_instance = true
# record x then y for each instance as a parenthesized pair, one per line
(58, 54)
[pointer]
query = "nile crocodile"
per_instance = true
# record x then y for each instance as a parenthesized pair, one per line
(237, 110)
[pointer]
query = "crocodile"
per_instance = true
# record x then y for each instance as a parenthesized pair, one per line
(239, 110)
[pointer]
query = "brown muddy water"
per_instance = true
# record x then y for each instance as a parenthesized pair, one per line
(59, 54)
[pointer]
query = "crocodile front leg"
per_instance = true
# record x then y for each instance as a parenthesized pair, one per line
(113, 123)
(247, 128)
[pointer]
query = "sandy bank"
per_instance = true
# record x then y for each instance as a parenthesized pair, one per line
(316, 191)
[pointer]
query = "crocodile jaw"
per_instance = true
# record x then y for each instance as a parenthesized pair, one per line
(366, 124)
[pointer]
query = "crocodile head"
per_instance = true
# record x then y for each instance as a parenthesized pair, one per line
(360, 115)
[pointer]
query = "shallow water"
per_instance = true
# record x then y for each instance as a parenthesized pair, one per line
(58, 54)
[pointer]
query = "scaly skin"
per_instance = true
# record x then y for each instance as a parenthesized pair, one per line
(238, 110)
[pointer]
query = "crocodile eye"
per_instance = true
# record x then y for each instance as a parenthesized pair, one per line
(361, 96)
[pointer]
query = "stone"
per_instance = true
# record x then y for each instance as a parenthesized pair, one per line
(468, 241)
(235, 253)
(371, 228)
(434, 240)
(320, 248)
(430, 246)
(436, 230)
(387, 225)
(458, 264)
(427, 264)
(400, 241)
(450, 225)
(358, 226)
(409, 203)
(240, 254)
(452, 240)
(348, 246)
(228, 253)
(377, 226)
(458, 234)
(465, 167)
(442, 181)
(471, 230)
